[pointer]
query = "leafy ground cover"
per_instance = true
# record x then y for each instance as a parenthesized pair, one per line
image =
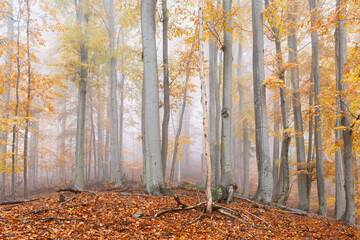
(129, 214)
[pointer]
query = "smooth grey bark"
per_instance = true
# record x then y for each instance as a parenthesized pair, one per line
(217, 121)
(62, 145)
(115, 168)
(154, 183)
(166, 118)
(100, 146)
(340, 201)
(349, 215)
(227, 177)
(283, 193)
(214, 144)
(5, 98)
(178, 132)
(204, 103)
(121, 119)
(26, 137)
(318, 130)
(304, 200)
(265, 181)
(82, 19)
(276, 152)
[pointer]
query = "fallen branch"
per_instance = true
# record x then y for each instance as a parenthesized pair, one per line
(178, 209)
(18, 201)
(68, 219)
(77, 191)
(243, 221)
(179, 203)
(116, 189)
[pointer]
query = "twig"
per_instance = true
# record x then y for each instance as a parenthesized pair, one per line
(70, 199)
(68, 219)
(179, 203)
(195, 219)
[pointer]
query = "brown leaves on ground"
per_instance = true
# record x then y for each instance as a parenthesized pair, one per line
(109, 215)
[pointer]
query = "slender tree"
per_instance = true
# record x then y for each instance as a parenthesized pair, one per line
(318, 136)
(205, 111)
(349, 215)
(5, 98)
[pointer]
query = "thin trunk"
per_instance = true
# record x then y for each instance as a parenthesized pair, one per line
(304, 201)
(205, 112)
(265, 181)
(349, 215)
(218, 122)
(121, 118)
(5, 98)
(100, 137)
(93, 133)
(310, 148)
(340, 201)
(241, 111)
(13, 147)
(82, 19)
(26, 137)
(276, 152)
(178, 133)
(318, 130)
(165, 124)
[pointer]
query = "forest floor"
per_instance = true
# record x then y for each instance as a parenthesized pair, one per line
(109, 214)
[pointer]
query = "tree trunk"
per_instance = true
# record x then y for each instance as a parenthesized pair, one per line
(205, 112)
(318, 137)
(212, 107)
(26, 137)
(82, 19)
(340, 201)
(310, 147)
(154, 183)
(165, 124)
(93, 134)
(218, 123)
(349, 215)
(5, 98)
(304, 201)
(276, 153)
(265, 181)
(226, 111)
(178, 133)
(114, 124)
(13, 145)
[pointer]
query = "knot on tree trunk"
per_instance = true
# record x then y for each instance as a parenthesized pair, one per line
(225, 112)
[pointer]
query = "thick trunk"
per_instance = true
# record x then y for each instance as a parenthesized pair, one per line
(265, 181)
(212, 107)
(205, 112)
(340, 201)
(165, 124)
(82, 19)
(349, 215)
(304, 201)
(154, 183)
(218, 123)
(226, 111)
(318, 136)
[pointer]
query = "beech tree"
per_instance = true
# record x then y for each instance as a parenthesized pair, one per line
(154, 174)
(82, 19)
(265, 181)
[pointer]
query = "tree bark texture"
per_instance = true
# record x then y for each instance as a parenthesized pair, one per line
(265, 181)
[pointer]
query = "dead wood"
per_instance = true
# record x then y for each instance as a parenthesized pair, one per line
(18, 201)
(178, 209)
(179, 203)
(67, 219)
